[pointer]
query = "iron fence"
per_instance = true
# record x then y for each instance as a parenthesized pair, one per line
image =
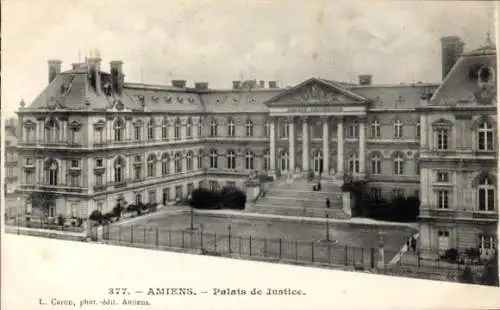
(320, 252)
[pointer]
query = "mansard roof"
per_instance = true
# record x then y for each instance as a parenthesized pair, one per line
(473, 78)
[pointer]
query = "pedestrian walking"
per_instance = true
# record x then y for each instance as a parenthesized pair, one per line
(413, 244)
(408, 244)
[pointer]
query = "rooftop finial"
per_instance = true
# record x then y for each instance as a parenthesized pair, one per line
(489, 41)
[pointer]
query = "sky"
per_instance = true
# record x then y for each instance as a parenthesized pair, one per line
(218, 41)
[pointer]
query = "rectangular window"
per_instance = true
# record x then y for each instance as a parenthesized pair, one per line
(99, 163)
(375, 193)
(190, 188)
(75, 164)
(442, 139)
(166, 196)
(164, 133)
(137, 133)
(99, 206)
(442, 177)
(178, 192)
(214, 185)
(74, 180)
(398, 193)
(152, 196)
(443, 199)
(138, 198)
(99, 180)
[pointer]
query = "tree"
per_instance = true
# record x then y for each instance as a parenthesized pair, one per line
(42, 201)
(467, 276)
(96, 216)
(490, 273)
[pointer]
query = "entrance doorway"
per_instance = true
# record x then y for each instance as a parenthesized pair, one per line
(284, 161)
(317, 163)
(443, 240)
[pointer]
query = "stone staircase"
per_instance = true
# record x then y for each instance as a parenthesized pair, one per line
(297, 198)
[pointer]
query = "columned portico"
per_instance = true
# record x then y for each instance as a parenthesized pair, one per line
(340, 147)
(326, 147)
(272, 149)
(291, 143)
(362, 147)
(305, 144)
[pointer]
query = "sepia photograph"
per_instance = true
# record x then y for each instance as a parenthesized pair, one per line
(353, 136)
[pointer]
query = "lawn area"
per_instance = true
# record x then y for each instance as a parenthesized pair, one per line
(290, 240)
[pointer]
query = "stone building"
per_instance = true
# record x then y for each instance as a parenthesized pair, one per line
(95, 140)
(11, 165)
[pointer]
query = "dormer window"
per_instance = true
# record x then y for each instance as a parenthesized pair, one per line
(485, 75)
(75, 164)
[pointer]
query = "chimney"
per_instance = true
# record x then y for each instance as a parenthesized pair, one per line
(262, 84)
(179, 83)
(54, 69)
(117, 77)
(365, 79)
(94, 64)
(236, 84)
(273, 84)
(451, 49)
(201, 85)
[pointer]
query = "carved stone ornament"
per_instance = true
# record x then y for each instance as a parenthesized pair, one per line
(486, 94)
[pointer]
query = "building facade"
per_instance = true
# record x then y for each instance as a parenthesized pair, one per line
(12, 169)
(94, 141)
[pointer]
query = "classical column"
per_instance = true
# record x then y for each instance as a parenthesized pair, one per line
(291, 143)
(340, 147)
(326, 147)
(362, 146)
(305, 144)
(272, 147)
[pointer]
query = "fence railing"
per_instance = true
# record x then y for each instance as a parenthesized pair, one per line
(250, 247)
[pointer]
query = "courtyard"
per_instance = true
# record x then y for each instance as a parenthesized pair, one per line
(297, 240)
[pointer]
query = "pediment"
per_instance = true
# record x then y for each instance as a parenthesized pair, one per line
(316, 91)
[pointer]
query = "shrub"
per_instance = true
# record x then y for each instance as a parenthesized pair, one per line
(450, 255)
(117, 210)
(152, 207)
(472, 253)
(79, 222)
(467, 276)
(202, 198)
(233, 198)
(490, 273)
(96, 216)
(60, 220)
(131, 208)
(107, 217)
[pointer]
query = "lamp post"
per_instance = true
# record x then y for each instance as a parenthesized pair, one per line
(327, 221)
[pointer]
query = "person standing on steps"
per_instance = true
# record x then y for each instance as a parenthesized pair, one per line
(413, 244)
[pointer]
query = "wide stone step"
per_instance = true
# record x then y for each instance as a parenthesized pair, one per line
(303, 194)
(299, 202)
(294, 211)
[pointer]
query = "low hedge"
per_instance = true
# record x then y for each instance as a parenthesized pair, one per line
(226, 198)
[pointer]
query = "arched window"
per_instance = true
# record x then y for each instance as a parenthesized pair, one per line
(376, 163)
(138, 167)
(51, 172)
(230, 128)
(177, 129)
(189, 161)
(164, 129)
(213, 159)
(398, 164)
(231, 160)
(285, 128)
(267, 128)
(151, 165)
(200, 159)
(375, 129)
(189, 126)
(213, 128)
(353, 163)
(165, 164)
(267, 160)
(441, 138)
(284, 161)
(249, 160)
(398, 129)
(119, 128)
(249, 128)
(178, 162)
(352, 130)
(486, 194)
(52, 131)
(485, 136)
(151, 129)
(119, 167)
